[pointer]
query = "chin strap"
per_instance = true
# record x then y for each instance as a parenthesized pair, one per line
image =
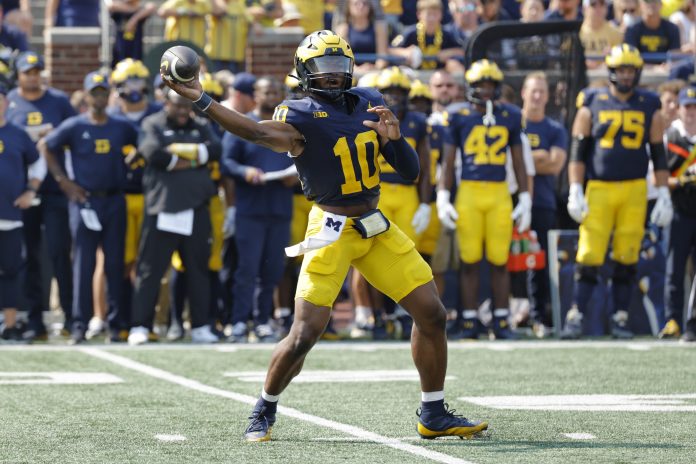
(488, 118)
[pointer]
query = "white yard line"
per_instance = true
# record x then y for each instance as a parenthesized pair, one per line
(580, 436)
(290, 412)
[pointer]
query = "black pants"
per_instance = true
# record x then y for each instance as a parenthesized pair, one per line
(543, 220)
(682, 245)
(154, 257)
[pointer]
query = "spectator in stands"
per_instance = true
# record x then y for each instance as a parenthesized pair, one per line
(97, 143)
(597, 34)
(312, 12)
(177, 186)
(669, 93)
(263, 214)
(39, 109)
(426, 45)
(532, 10)
(129, 17)
(264, 12)
(549, 142)
(18, 13)
(491, 10)
(186, 20)
(18, 189)
(681, 140)
(11, 37)
(565, 9)
(72, 13)
(227, 39)
(409, 13)
(465, 19)
(652, 34)
(684, 19)
(626, 13)
(364, 33)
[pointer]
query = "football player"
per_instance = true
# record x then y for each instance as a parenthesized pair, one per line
(483, 129)
(345, 227)
(617, 129)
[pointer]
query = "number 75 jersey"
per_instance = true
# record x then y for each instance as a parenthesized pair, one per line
(484, 147)
(621, 130)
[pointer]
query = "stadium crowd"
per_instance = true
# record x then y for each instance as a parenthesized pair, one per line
(154, 221)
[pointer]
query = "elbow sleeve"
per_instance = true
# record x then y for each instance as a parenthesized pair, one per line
(580, 149)
(403, 158)
(659, 157)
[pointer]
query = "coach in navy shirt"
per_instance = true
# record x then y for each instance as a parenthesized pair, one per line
(97, 143)
(39, 109)
(263, 214)
(21, 171)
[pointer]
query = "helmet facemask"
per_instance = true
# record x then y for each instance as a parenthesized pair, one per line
(621, 87)
(322, 75)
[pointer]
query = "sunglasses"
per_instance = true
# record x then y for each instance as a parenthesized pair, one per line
(466, 8)
(437, 86)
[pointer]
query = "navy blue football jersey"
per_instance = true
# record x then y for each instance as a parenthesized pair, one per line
(621, 130)
(484, 147)
(543, 135)
(414, 128)
(339, 163)
(437, 134)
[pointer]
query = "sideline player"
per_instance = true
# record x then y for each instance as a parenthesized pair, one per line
(611, 134)
(345, 188)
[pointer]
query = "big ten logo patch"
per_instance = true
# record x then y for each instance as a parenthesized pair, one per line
(321, 114)
(102, 146)
(34, 118)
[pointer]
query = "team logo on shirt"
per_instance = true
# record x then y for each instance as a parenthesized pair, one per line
(34, 118)
(102, 146)
(321, 114)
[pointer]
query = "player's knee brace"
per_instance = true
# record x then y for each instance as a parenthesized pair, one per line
(624, 273)
(589, 274)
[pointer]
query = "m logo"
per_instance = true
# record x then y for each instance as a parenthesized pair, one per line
(102, 146)
(335, 225)
(34, 118)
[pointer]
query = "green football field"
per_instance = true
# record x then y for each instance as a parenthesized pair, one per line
(582, 402)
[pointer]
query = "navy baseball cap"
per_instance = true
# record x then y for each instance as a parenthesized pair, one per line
(244, 83)
(96, 79)
(28, 61)
(687, 96)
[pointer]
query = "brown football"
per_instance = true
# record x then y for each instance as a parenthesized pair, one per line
(179, 64)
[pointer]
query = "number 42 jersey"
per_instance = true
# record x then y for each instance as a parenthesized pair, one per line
(621, 130)
(339, 163)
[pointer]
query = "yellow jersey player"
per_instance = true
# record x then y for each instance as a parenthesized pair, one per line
(616, 131)
(345, 227)
(483, 129)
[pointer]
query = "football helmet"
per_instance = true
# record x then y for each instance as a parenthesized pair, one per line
(479, 72)
(419, 90)
(130, 79)
(212, 86)
(323, 54)
(395, 86)
(628, 56)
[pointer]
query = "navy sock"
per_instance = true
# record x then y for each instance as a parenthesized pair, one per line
(432, 408)
(271, 406)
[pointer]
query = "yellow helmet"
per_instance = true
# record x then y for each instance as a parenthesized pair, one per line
(419, 90)
(212, 86)
(393, 77)
(369, 80)
(324, 53)
(482, 71)
(624, 55)
(129, 69)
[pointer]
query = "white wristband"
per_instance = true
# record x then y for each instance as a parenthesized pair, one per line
(202, 153)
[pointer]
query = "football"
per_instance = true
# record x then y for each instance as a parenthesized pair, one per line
(179, 64)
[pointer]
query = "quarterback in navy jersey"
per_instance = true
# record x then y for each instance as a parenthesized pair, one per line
(334, 136)
(612, 131)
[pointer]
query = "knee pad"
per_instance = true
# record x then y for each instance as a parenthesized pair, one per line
(624, 273)
(589, 274)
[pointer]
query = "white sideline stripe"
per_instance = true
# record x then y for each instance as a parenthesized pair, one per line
(580, 436)
(57, 378)
(165, 437)
(290, 412)
(362, 440)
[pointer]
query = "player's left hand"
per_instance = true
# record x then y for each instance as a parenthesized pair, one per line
(421, 219)
(388, 125)
(25, 199)
(662, 211)
(522, 214)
